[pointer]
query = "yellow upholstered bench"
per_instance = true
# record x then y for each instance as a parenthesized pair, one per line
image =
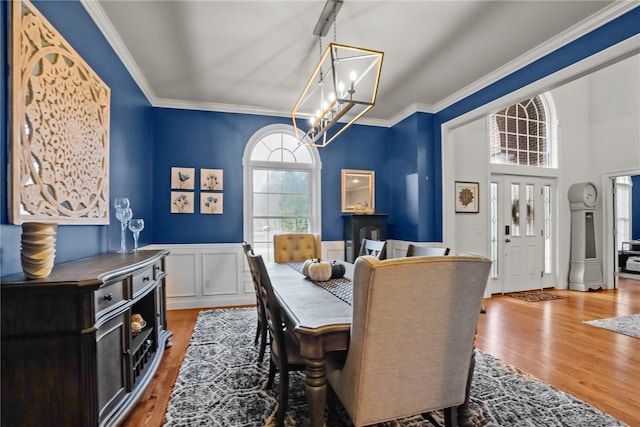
(296, 246)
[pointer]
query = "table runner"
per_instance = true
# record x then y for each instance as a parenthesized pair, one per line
(341, 287)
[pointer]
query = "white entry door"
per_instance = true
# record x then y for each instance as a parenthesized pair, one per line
(525, 228)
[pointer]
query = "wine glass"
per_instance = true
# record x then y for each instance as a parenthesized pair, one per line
(136, 226)
(123, 215)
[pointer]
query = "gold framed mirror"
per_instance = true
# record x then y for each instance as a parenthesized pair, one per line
(358, 191)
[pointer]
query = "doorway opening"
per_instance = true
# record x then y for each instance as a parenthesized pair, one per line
(626, 231)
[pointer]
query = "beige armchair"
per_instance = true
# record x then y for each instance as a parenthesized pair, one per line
(412, 337)
(296, 246)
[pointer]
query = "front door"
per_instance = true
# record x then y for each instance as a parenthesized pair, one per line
(524, 232)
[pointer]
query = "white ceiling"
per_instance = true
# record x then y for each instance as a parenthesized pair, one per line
(256, 56)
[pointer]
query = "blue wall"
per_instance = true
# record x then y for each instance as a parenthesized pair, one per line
(146, 142)
(131, 142)
(200, 139)
(415, 163)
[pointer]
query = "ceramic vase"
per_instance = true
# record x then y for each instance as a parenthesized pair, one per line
(38, 249)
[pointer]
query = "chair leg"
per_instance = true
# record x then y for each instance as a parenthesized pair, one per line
(258, 332)
(283, 397)
(263, 342)
(272, 375)
(450, 417)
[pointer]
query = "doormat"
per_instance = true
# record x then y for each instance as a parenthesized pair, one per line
(534, 296)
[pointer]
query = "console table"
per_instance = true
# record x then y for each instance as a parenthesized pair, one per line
(69, 354)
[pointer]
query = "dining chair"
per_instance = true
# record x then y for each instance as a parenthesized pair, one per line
(288, 247)
(417, 250)
(374, 248)
(261, 331)
(285, 351)
(412, 337)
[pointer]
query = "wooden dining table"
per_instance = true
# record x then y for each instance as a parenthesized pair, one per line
(321, 323)
(320, 320)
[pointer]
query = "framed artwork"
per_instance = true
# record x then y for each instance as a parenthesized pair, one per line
(467, 197)
(181, 202)
(211, 179)
(183, 178)
(59, 127)
(211, 203)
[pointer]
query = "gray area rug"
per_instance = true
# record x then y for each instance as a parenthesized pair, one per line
(627, 325)
(221, 384)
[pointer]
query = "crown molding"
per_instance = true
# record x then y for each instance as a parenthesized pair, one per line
(217, 107)
(409, 111)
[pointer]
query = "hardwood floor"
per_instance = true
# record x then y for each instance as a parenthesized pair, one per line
(545, 339)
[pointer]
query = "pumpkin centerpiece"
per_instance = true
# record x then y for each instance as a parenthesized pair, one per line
(337, 270)
(318, 271)
(306, 264)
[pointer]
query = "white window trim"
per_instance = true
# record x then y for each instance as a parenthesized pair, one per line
(315, 168)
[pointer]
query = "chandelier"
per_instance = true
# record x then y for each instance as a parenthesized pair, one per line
(342, 88)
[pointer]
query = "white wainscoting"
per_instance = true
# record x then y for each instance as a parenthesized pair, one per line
(215, 275)
(207, 275)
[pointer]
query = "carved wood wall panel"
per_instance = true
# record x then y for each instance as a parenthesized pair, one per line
(60, 127)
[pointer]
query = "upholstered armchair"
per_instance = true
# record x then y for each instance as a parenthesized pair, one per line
(296, 246)
(412, 337)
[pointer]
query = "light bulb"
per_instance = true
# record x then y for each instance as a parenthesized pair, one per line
(353, 77)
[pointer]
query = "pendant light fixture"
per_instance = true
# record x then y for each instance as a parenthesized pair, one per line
(341, 89)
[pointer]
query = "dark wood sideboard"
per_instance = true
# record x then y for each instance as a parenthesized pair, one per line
(69, 354)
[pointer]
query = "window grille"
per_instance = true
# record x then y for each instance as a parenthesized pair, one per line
(519, 135)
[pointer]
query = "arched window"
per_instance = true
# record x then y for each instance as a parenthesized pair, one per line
(281, 187)
(520, 135)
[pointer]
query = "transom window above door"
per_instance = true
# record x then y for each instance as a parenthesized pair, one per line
(521, 135)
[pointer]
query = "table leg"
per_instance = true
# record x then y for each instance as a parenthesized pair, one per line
(316, 390)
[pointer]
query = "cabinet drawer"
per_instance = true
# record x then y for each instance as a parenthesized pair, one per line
(109, 295)
(142, 280)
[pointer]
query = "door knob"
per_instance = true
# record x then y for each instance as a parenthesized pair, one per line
(507, 240)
